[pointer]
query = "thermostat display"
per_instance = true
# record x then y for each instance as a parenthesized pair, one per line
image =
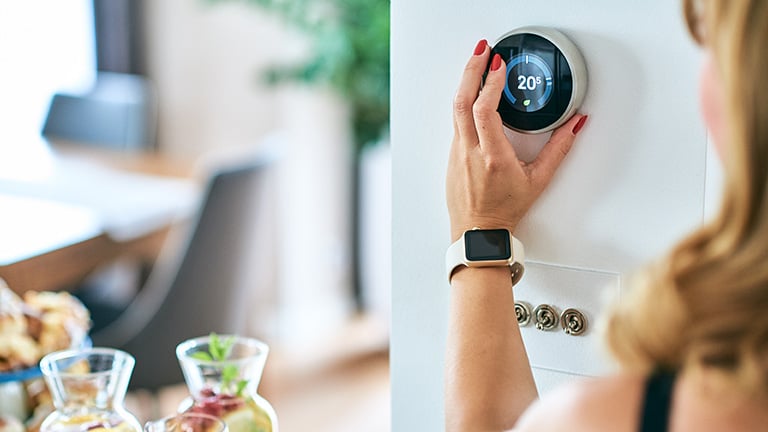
(529, 82)
(546, 79)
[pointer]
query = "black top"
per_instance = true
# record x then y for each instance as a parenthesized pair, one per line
(658, 402)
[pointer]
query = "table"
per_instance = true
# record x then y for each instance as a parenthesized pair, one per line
(57, 228)
(65, 266)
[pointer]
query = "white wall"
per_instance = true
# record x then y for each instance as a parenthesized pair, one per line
(206, 61)
(632, 185)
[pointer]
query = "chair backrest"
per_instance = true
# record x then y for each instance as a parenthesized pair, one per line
(198, 291)
(118, 112)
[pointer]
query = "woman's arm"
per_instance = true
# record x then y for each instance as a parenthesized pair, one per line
(488, 376)
(489, 382)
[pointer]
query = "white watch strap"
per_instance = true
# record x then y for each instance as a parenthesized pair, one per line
(456, 256)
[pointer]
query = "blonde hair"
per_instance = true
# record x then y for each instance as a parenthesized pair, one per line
(706, 302)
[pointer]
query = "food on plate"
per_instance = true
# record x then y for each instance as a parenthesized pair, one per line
(40, 323)
(17, 348)
(11, 311)
(17, 351)
(57, 319)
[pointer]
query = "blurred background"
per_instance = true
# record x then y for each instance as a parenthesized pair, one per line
(228, 164)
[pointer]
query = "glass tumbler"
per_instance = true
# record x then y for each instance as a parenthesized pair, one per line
(223, 383)
(88, 387)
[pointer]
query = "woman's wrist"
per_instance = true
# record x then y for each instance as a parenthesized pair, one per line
(490, 276)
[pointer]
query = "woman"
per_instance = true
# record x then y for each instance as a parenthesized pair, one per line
(693, 338)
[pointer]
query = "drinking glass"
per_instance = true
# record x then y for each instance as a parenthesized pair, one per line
(88, 387)
(225, 385)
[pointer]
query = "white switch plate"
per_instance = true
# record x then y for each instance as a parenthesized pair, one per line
(547, 380)
(588, 291)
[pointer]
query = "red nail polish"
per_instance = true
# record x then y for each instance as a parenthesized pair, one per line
(496, 62)
(480, 48)
(579, 125)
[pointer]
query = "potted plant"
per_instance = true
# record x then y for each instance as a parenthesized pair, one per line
(350, 55)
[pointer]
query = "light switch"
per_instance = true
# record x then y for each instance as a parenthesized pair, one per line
(565, 290)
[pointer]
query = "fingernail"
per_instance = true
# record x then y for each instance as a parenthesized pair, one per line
(496, 62)
(480, 48)
(579, 125)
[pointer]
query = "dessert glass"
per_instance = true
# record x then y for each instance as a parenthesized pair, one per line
(88, 387)
(225, 385)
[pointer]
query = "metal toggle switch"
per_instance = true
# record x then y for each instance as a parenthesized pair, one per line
(573, 322)
(545, 317)
(523, 313)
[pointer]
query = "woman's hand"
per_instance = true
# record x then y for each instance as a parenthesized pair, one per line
(487, 185)
(489, 382)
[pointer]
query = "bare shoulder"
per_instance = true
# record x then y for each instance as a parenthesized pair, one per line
(608, 403)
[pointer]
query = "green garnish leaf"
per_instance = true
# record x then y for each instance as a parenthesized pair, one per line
(240, 387)
(228, 375)
(215, 347)
(219, 350)
(201, 355)
(226, 347)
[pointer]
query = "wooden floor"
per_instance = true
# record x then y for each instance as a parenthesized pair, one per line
(354, 397)
(346, 393)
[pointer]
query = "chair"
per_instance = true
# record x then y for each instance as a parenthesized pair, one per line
(118, 112)
(197, 291)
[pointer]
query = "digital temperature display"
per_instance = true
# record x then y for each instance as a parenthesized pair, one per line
(542, 89)
(529, 82)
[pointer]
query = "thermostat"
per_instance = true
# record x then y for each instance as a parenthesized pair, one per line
(546, 79)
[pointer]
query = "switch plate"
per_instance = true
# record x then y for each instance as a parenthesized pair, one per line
(547, 380)
(590, 292)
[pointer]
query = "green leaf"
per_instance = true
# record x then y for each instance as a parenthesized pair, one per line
(201, 355)
(220, 350)
(228, 375)
(214, 347)
(240, 387)
(226, 347)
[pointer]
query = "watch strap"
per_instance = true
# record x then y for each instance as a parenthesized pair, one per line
(455, 256)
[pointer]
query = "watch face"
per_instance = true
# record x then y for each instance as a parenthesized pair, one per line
(487, 245)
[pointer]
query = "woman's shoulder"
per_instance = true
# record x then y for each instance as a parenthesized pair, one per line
(592, 404)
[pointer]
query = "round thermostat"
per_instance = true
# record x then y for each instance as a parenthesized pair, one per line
(546, 79)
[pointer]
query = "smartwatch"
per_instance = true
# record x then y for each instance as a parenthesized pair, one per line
(486, 248)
